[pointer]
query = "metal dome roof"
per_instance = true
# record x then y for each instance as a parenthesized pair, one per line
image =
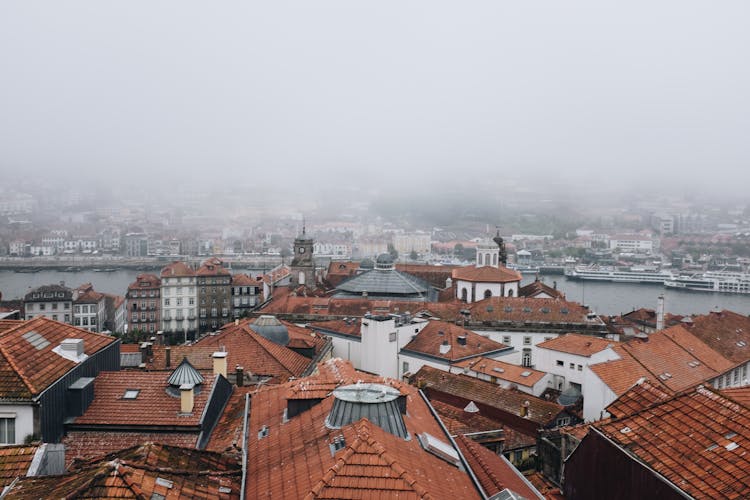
(270, 328)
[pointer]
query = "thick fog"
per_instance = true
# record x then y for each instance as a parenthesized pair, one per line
(257, 95)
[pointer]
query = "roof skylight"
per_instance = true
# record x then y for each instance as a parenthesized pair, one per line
(131, 393)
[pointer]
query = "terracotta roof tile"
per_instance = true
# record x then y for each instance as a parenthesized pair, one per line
(28, 364)
(739, 394)
(726, 332)
(640, 396)
(242, 279)
(294, 459)
(109, 408)
(494, 472)
(540, 411)
(520, 375)
(256, 354)
(15, 461)
(152, 280)
(486, 274)
(459, 421)
(537, 287)
(430, 339)
(347, 327)
(582, 345)
(177, 269)
(689, 439)
(141, 472)
(534, 310)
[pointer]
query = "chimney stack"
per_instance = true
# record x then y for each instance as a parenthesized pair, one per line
(239, 376)
(168, 356)
(220, 363)
(445, 347)
(186, 398)
(144, 352)
(160, 338)
(525, 409)
(461, 339)
(660, 313)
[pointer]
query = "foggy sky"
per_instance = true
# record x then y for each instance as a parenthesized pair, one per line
(352, 91)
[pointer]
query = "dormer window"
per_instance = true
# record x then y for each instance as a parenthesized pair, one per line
(131, 393)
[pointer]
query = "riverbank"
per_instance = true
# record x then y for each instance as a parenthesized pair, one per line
(110, 263)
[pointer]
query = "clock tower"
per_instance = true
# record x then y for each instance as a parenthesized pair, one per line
(303, 265)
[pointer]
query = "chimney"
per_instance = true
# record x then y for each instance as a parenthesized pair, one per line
(186, 398)
(168, 356)
(461, 339)
(525, 409)
(144, 351)
(220, 363)
(239, 376)
(72, 347)
(445, 347)
(160, 338)
(660, 313)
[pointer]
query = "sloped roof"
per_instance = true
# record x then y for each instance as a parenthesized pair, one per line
(15, 461)
(539, 411)
(141, 472)
(28, 364)
(153, 282)
(537, 287)
(494, 472)
(726, 332)
(520, 375)
(524, 309)
(177, 269)
(739, 394)
(385, 282)
(486, 274)
(348, 326)
(459, 421)
(642, 395)
(242, 279)
(581, 345)
(86, 445)
(698, 441)
(256, 354)
(152, 406)
(294, 459)
(429, 340)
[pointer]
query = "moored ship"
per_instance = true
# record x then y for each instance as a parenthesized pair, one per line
(712, 281)
(612, 273)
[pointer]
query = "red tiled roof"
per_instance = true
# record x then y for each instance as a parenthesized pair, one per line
(429, 340)
(294, 460)
(256, 354)
(640, 396)
(351, 326)
(486, 274)
(242, 279)
(503, 371)
(494, 472)
(227, 434)
(89, 297)
(540, 411)
(581, 345)
(459, 421)
(110, 409)
(15, 461)
(7, 324)
(153, 280)
(142, 472)
(524, 309)
(688, 439)
(212, 268)
(201, 357)
(739, 394)
(85, 445)
(620, 375)
(177, 269)
(537, 287)
(726, 332)
(25, 370)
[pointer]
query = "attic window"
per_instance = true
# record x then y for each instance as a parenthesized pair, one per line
(164, 482)
(526, 373)
(730, 435)
(693, 364)
(741, 343)
(564, 310)
(131, 393)
(665, 376)
(438, 448)
(527, 309)
(35, 340)
(545, 310)
(224, 489)
(626, 430)
(263, 432)
(508, 309)
(732, 446)
(498, 370)
(712, 447)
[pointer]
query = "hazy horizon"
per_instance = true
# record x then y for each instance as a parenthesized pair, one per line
(313, 95)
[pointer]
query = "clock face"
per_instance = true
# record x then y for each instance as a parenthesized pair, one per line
(301, 250)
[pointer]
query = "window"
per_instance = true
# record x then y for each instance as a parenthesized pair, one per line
(392, 337)
(580, 368)
(527, 341)
(42, 306)
(405, 367)
(67, 318)
(8, 430)
(191, 301)
(54, 317)
(54, 306)
(506, 339)
(179, 301)
(166, 302)
(572, 366)
(563, 421)
(526, 358)
(131, 393)
(560, 362)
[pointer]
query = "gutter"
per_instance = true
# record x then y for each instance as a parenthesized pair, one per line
(246, 418)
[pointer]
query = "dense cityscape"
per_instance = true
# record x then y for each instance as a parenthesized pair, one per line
(370, 250)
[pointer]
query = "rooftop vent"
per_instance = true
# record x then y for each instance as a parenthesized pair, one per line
(471, 407)
(378, 403)
(525, 373)
(461, 339)
(71, 349)
(338, 443)
(626, 430)
(438, 448)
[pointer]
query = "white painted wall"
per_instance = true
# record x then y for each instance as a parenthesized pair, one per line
(497, 290)
(346, 348)
(24, 415)
(596, 396)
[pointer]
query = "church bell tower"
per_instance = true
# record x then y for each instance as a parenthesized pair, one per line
(303, 264)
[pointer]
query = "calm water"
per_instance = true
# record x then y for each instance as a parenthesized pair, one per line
(602, 297)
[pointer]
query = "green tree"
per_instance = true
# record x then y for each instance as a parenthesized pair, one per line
(413, 255)
(392, 250)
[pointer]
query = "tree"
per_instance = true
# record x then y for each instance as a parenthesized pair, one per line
(285, 252)
(392, 250)
(458, 250)
(413, 255)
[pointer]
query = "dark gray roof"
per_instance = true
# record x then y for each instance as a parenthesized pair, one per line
(376, 402)
(270, 328)
(385, 282)
(185, 374)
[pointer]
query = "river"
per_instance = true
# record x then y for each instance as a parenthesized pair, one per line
(602, 297)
